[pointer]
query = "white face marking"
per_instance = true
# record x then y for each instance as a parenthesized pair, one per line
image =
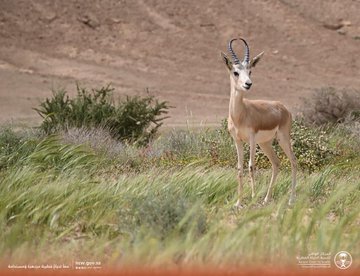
(241, 75)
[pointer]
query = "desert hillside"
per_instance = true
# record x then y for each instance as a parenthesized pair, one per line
(172, 49)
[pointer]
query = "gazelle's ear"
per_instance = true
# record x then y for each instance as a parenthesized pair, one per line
(227, 61)
(256, 59)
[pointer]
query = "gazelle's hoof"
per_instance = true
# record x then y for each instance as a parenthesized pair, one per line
(238, 205)
(291, 201)
(265, 201)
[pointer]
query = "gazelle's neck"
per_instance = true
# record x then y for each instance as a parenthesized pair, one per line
(236, 105)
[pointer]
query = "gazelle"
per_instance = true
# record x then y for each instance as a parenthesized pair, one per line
(256, 122)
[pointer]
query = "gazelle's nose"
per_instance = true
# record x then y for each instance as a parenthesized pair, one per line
(248, 84)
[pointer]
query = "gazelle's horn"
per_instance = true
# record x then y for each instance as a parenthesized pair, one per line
(233, 55)
(247, 52)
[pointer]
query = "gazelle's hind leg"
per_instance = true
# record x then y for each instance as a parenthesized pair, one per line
(285, 144)
(275, 164)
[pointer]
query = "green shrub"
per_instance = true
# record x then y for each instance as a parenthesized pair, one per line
(134, 116)
(161, 214)
(14, 146)
(312, 147)
(9, 143)
(134, 119)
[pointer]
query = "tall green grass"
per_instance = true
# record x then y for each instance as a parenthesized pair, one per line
(63, 201)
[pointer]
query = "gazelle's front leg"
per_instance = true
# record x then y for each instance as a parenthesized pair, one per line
(252, 163)
(240, 155)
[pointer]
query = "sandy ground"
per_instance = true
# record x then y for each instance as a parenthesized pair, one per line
(172, 49)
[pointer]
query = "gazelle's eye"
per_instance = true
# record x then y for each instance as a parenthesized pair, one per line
(236, 74)
(250, 73)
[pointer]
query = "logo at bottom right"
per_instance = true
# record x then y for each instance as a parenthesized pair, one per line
(343, 260)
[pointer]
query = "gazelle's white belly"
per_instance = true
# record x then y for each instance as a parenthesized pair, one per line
(261, 136)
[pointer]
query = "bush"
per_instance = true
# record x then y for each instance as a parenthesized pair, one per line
(135, 119)
(134, 116)
(15, 146)
(328, 105)
(97, 139)
(9, 143)
(311, 146)
(161, 214)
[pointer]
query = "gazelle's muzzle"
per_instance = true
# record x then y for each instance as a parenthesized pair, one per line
(247, 85)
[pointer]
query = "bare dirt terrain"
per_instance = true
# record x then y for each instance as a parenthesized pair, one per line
(173, 49)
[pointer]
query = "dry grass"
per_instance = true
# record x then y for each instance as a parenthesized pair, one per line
(328, 105)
